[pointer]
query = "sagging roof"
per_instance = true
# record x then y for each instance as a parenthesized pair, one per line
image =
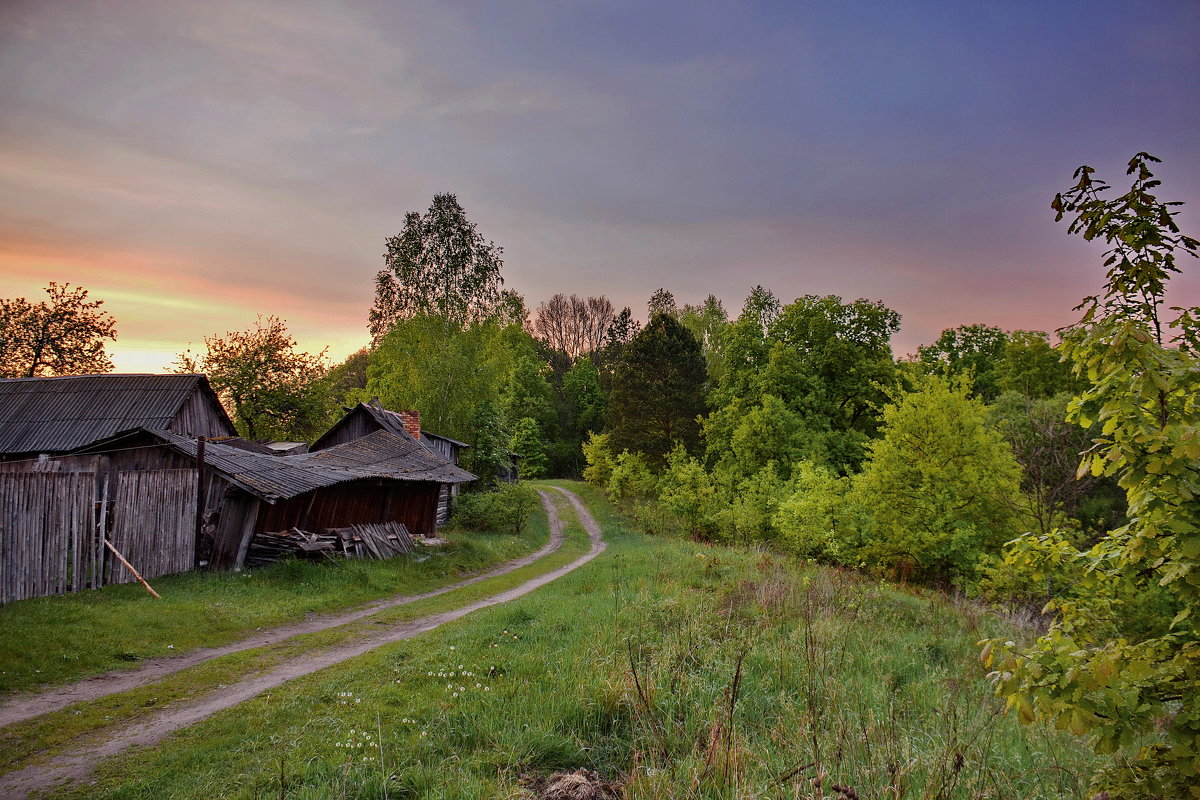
(55, 415)
(391, 421)
(380, 455)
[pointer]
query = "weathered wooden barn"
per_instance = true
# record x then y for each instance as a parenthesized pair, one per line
(170, 500)
(52, 416)
(367, 418)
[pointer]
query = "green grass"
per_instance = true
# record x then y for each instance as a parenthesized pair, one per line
(53, 640)
(38, 739)
(630, 666)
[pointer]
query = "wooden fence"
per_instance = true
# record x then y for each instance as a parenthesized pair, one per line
(51, 526)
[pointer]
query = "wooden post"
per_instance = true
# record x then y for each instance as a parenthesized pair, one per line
(200, 500)
(129, 566)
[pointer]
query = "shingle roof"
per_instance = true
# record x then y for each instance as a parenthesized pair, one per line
(54, 415)
(272, 477)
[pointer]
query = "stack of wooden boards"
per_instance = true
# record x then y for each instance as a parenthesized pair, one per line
(375, 540)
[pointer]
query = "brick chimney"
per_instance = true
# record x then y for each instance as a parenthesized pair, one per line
(412, 423)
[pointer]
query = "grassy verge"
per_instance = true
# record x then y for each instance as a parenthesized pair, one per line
(53, 640)
(683, 669)
(41, 738)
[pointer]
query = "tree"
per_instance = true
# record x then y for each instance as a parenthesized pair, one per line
(973, 350)
(438, 265)
(574, 326)
(1133, 691)
(658, 390)
(1034, 367)
(529, 446)
(348, 378)
(940, 487)
(60, 336)
(661, 302)
(1047, 447)
(831, 362)
(708, 323)
(271, 390)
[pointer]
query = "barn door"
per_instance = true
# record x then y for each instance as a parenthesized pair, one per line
(154, 523)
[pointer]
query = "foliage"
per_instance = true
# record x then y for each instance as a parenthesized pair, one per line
(972, 350)
(271, 390)
(662, 302)
(488, 456)
(658, 390)
(507, 509)
(830, 362)
(631, 478)
(767, 433)
(530, 447)
(748, 511)
(445, 370)
(940, 487)
(527, 393)
(348, 379)
(63, 335)
(707, 323)
(687, 491)
(1033, 367)
(809, 514)
(1047, 447)
(1135, 695)
(438, 265)
(600, 460)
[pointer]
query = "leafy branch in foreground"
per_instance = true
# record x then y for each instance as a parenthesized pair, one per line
(1133, 689)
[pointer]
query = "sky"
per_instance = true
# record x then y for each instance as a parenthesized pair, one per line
(195, 165)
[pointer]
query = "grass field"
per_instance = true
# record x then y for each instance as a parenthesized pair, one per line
(52, 640)
(681, 670)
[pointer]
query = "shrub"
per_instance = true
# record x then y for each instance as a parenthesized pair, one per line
(599, 457)
(506, 509)
(631, 478)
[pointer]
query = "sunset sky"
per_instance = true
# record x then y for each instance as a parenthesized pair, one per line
(196, 164)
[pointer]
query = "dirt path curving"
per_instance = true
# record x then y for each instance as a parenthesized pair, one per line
(78, 764)
(28, 706)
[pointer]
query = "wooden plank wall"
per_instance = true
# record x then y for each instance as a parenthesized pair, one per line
(154, 523)
(47, 534)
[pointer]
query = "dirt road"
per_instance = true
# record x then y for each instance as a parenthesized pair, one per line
(76, 765)
(23, 707)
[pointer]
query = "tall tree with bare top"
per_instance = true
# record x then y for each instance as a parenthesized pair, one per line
(63, 335)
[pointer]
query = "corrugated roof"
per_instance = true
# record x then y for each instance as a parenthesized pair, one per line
(380, 455)
(55, 415)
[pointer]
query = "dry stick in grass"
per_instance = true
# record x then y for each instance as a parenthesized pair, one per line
(129, 567)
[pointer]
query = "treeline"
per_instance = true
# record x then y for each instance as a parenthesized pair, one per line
(803, 432)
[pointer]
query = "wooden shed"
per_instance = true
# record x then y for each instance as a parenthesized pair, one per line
(367, 418)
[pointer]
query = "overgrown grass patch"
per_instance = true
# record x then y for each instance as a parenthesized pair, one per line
(682, 669)
(53, 640)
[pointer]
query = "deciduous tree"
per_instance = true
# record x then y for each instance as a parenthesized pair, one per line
(271, 390)
(438, 265)
(63, 335)
(1135, 692)
(973, 350)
